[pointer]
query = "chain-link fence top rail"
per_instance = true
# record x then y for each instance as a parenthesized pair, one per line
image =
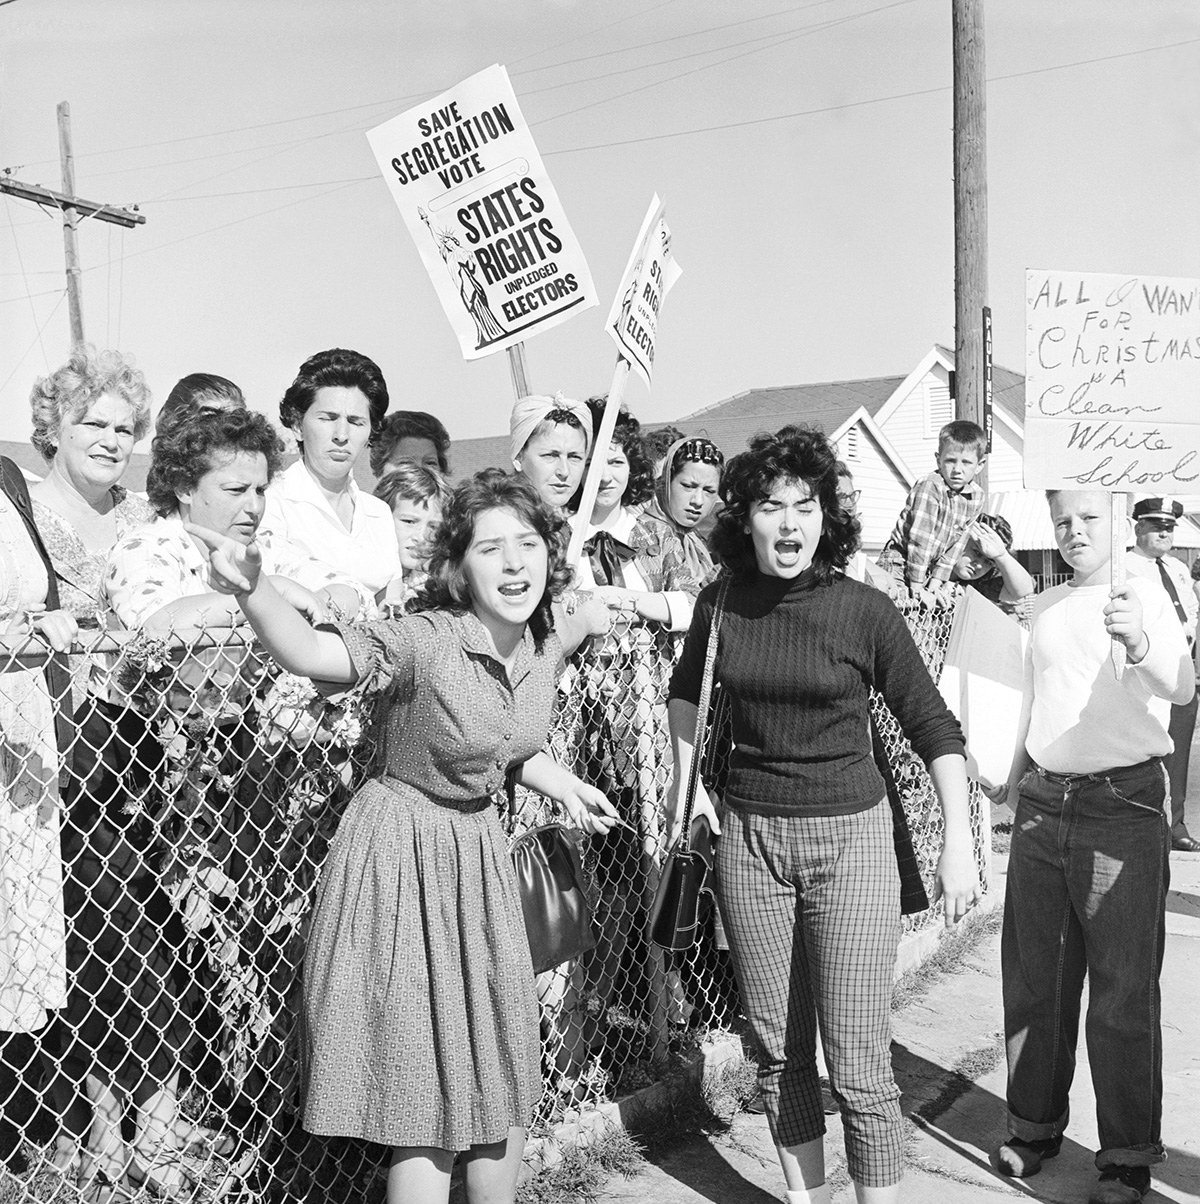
(155, 884)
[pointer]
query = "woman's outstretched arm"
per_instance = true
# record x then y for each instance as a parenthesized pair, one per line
(284, 633)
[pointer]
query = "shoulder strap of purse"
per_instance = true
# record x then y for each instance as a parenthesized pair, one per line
(710, 664)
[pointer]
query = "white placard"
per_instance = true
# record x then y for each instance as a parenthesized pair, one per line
(473, 191)
(1112, 383)
(648, 277)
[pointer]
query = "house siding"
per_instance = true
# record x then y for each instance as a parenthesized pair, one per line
(883, 490)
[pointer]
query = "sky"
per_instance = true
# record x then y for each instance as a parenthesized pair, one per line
(804, 152)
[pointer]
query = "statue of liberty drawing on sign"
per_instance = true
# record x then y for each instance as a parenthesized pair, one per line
(470, 292)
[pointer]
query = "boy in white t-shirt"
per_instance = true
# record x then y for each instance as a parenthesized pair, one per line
(1087, 873)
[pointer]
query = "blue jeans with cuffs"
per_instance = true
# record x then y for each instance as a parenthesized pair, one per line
(1087, 887)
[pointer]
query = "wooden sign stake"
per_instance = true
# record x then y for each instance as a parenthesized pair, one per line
(1119, 507)
(591, 483)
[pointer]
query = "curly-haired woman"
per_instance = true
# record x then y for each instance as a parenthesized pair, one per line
(335, 407)
(129, 1017)
(419, 1004)
(806, 868)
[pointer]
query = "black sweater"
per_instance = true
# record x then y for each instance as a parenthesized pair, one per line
(798, 660)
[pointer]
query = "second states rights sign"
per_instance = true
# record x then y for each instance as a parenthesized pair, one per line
(465, 173)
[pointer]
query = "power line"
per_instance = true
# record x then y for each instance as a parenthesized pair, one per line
(335, 185)
(37, 338)
(25, 281)
(416, 96)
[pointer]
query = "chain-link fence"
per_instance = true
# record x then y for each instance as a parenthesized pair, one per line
(155, 885)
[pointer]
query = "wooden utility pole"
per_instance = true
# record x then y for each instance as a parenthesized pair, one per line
(970, 209)
(70, 222)
(72, 207)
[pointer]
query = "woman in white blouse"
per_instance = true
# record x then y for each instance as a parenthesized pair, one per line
(130, 1014)
(315, 508)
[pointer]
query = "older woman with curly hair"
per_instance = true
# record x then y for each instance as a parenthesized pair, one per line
(87, 416)
(419, 1006)
(335, 407)
(806, 869)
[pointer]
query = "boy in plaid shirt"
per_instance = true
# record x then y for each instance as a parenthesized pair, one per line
(933, 527)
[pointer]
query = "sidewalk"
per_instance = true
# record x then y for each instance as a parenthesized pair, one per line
(949, 1061)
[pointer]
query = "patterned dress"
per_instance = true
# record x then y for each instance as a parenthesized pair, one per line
(33, 976)
(80, 575)
(420, 1016)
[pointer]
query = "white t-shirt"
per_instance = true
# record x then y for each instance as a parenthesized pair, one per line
(1082, 719)
(300, 522)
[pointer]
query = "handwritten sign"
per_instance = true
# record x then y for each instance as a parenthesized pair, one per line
(648, 277)
(1112, 383)
(473, 191)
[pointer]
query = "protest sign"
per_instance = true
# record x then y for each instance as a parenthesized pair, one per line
(982, 682)
(633, 325)
(649, 275)
(1112, 383)
(473, 191)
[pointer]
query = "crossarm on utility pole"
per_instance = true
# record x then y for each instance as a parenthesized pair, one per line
(47, 196)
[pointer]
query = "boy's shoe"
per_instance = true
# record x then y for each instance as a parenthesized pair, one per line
(1121, 1185)
(1020, 1159)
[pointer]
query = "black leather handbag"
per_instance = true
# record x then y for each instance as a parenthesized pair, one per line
(685, 890)
(558, 917)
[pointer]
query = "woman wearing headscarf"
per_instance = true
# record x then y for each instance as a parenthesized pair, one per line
(686, 494)
(549, 440)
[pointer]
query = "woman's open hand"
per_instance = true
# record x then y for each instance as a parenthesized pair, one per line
(235, 567)
(589, 809)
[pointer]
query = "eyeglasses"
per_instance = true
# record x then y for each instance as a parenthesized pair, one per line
(850, 498)
(701, 451)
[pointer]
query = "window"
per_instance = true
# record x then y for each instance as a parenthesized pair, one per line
(939, 408)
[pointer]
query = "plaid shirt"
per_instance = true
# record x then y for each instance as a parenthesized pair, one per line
(931, 532)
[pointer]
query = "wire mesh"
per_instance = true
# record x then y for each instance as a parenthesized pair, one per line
(156, 881)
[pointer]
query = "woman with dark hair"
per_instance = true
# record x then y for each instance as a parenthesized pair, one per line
(197, 393)
(685, 496)
(334, 408)
(419, 1008)
(633, 562)
(131, 1010)
(411, 437)
(549, 439)
(806, 869)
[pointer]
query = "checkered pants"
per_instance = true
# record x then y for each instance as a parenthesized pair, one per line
(811, 906)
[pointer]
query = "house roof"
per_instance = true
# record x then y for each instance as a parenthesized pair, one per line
(828, 405)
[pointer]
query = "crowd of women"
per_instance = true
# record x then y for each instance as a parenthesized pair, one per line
(457, 611)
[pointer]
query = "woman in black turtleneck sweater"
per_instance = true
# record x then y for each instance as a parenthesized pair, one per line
(806, 868)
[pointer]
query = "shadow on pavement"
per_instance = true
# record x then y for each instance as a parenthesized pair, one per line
(700, 1167)
(969, 1121)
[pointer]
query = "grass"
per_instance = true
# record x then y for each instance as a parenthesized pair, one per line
(955, 945)
(581, 1173)
(1001, 836)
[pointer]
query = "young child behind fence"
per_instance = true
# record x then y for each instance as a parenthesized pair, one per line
(1087, 872)
(932, 529)
(416, 495)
